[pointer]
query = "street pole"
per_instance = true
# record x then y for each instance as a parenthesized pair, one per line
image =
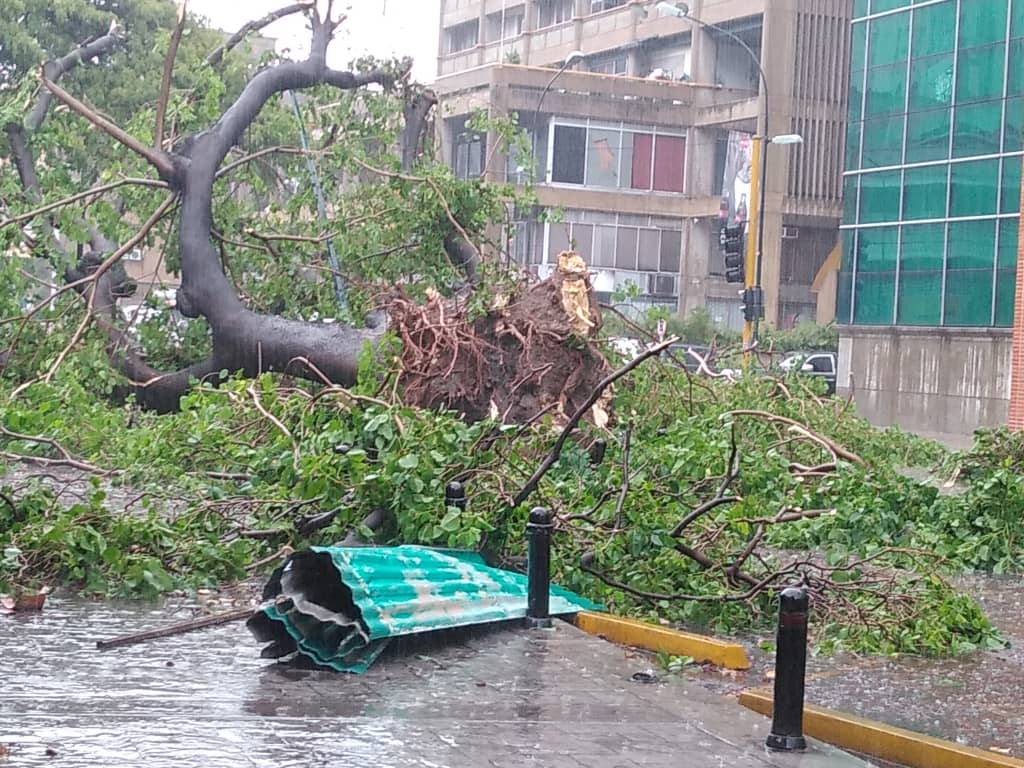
(754, 228)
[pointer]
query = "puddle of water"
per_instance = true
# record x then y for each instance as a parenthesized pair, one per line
(199, 699)
(972, 699)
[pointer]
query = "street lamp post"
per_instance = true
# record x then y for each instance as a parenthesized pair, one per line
(752, 277)
(571, 59)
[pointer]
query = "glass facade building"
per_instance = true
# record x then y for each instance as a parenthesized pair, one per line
(933, 163)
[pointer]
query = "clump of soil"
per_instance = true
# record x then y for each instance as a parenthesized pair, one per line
(530, 355)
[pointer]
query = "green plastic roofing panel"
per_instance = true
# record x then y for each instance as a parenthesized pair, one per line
(338, 606)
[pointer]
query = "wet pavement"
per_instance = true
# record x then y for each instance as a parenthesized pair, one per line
(506, 697)
(972, 699)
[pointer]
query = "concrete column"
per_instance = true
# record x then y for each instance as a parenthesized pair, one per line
(582, 9)
(778, 34)
(700, 238)
(481, 33)
(529, 27)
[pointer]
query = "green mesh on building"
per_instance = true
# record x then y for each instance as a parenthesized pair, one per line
(932, 186)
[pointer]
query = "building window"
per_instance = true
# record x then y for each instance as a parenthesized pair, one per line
(622, 249)
(463, 36)
(609, 65)
(596, 6)
(617, 158)
(505, 24)
(552, 12)
(469, 150)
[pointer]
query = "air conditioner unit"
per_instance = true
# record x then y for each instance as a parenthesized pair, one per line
(790, 233)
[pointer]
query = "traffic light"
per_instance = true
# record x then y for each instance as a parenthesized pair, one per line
(731, 240)
(753, 304)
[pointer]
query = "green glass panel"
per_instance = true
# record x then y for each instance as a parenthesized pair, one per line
(873, 298)
(850, 200)
(923, 248)
(1006, 285)
(845, 287)
(979, 73)
(853, 131)
(931, 82)
(858, 46)
(1017, 18)
(972, 245)
(973, 188)
(982, 23)
(883, 142)
(876, 249)
(968, 297)
(1010, 200)
(1014, 125)
(1006, 256)
(920, 298)
(879, 197)
(1015, 77)
(888, 39)
(860, 8)
(977, 129)
(886, 90)
(920, 288)
(879, 6)
(934, 29)
(855, 111)
(924, 192)
(928, 135)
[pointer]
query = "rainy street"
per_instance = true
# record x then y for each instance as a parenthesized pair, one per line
(506, 697)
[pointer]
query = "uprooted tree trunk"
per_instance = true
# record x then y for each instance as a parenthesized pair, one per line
(525, 358)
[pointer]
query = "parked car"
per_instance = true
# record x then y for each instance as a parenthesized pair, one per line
(821, 364)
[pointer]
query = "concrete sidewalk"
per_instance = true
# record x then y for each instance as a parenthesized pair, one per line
(564, 698)
(505, 698)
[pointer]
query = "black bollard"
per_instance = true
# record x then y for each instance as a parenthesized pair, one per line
(455, 496)
(538, 568)
(790, 665)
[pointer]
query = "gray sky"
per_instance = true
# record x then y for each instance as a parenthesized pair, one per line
(380, 27)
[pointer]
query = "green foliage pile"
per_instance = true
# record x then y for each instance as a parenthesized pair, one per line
(349, 451)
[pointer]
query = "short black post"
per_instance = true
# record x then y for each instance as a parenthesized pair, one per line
(455, 496)
(538, 568)
(790, 666)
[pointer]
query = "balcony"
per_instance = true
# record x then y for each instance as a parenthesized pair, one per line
(585, 94)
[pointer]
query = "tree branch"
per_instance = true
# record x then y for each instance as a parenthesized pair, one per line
(803, 429)
(57, 68)
(160, 160)
(219, 53)
(165, 82)
(556, 449)
(93, 192)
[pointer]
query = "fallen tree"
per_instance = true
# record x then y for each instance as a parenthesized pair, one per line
(525, 353)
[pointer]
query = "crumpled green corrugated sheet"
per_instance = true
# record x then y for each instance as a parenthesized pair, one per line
(339, 606)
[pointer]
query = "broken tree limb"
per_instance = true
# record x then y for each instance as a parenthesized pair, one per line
(175, 629)
(556, 449)
(218, 54)
(803, 429)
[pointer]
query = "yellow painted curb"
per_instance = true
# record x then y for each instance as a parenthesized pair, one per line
(651, 637)
(885, 741)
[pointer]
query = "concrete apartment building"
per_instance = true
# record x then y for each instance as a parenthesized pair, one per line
(644, 143)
